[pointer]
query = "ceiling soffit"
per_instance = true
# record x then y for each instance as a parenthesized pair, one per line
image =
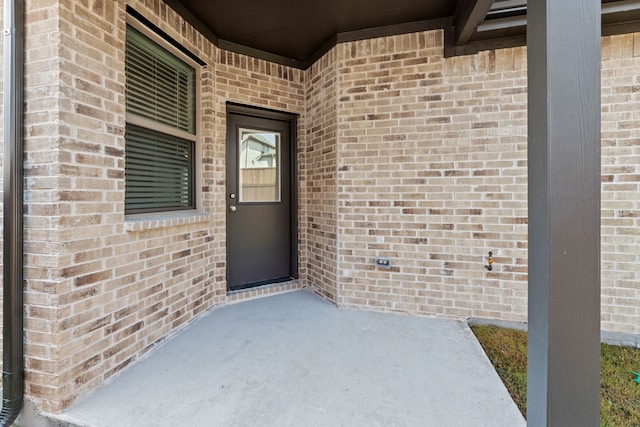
(297, 33)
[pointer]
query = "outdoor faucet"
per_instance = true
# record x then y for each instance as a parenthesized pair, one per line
(489, 265)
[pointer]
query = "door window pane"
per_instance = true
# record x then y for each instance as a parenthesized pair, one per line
(259, 166)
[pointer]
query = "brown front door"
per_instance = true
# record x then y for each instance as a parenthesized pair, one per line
(259, 200)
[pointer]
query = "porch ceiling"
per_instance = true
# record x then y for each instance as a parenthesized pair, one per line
(296, 33)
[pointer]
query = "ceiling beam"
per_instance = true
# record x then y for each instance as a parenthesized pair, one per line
(620, 6)
(470, 14)
(615, 12)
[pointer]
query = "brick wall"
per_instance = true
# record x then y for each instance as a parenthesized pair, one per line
(432, 173)
(621, 183)
(43, 207)
(321, 185)
(433, 176)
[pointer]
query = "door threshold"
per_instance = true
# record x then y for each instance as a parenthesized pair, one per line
(252, 285)
(264, 291)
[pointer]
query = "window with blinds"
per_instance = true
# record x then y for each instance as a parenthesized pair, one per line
(161, 128)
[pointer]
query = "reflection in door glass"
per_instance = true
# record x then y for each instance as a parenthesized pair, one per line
(259, 166)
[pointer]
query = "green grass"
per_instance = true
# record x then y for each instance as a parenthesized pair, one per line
(619, 392)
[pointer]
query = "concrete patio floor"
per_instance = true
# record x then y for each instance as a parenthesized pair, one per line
(296, 360)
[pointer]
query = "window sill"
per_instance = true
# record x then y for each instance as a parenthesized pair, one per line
(140, 222)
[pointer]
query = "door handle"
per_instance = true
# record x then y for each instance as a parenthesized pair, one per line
(232, 208)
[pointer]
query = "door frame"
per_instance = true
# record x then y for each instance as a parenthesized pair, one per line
(292, 120)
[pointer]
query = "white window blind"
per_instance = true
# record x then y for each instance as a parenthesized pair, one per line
(160, 87)
(159, 171)
(159, 167)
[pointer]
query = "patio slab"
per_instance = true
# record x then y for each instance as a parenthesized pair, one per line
(295, 360)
